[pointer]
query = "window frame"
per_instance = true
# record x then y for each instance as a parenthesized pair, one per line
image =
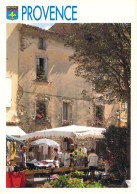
(46, 107)
(67, 104)
(67, 121)
(45, 68)
(41, 44)
(103, 108)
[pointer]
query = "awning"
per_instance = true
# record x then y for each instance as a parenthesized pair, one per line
(68, 131)
(48, 142)
(11, 138)
(15, 131)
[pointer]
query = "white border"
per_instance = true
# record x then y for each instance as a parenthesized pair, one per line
(89, 11)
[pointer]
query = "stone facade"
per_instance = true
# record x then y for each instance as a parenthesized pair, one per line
(59, 92)
(89, 142)
(12, 69)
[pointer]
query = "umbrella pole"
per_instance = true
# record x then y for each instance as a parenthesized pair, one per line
(74, 139)
(51, 151)
(27, 150)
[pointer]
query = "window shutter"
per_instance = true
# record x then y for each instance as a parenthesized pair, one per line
(64, 111)
(69, 111)
(40, 43)
(37, 66)
(45, 67)
(38, 63)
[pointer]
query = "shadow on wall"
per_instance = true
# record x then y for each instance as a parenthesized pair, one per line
(12, 69)
(12, 50)
(59, 67)
(112, 117)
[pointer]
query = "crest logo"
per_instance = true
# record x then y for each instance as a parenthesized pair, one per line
(12, 12)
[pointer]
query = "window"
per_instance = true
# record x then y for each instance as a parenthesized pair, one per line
(99, 115)
(41, 110)
(40, 44)
(41, 69)
(67, 113)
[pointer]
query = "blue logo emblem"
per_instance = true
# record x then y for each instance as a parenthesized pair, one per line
(12, 12)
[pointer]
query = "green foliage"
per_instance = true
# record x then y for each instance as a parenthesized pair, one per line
(68, 181)
(102, 52)
(115, 141)
(78, 152)
(79, 173)
(95, 185)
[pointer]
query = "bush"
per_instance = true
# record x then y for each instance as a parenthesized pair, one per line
(115, 141)
(68, 181)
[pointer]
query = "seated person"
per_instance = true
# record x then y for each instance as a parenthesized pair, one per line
(31, 153)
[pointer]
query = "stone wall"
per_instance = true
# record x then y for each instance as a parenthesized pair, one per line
(88, 142)
(12, 58)
(62, 83)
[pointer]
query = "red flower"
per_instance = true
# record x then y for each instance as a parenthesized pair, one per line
(38, 116)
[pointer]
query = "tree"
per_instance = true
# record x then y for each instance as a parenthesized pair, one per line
(102, 52)
(115, 141)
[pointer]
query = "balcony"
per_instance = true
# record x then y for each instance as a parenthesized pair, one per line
(96, 123)
(66, 122)
(41, 119)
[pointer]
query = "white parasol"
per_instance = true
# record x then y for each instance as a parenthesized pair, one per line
(79, 132)
(48, 142)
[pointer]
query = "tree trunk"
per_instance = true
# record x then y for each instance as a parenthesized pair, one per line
(129, 139)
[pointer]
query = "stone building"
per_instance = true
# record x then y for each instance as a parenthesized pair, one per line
(45, 91)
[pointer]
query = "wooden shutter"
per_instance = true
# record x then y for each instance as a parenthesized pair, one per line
(65, 110)
(37, 66)
(46, 67)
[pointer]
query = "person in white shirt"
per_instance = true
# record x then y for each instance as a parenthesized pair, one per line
(67, 159)
(83, 149)
(92, 162)
(61, 157)
(31, 153)
(24, 156)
